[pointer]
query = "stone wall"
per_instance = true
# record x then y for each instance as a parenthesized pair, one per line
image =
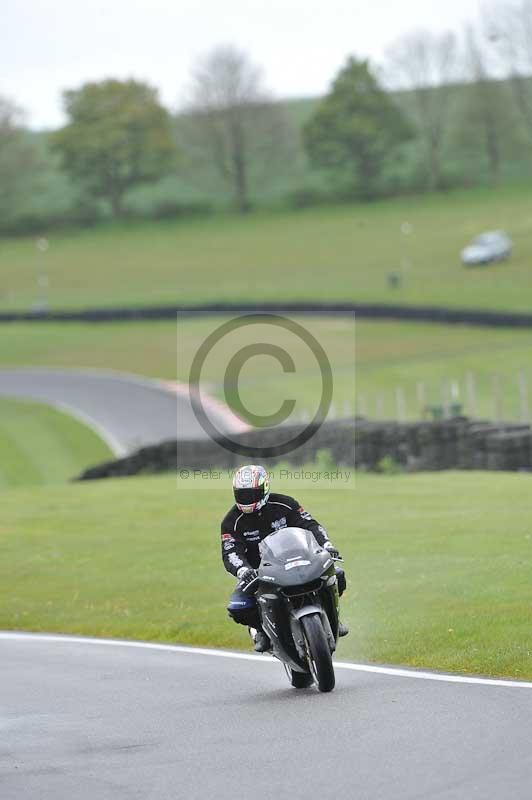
(457, 443)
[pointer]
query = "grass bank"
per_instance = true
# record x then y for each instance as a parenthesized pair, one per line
(39, 445)
(439, 566)
(331, 253)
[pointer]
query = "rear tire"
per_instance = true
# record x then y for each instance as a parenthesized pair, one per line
(318, 652)
(301, 680)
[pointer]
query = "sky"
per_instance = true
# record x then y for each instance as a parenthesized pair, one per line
(50, 45)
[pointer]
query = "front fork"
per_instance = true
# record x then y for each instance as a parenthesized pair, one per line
(297, 631)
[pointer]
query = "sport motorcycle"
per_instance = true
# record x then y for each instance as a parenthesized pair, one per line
(297, 593)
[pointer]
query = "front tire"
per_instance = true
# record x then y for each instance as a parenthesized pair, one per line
(318, 652)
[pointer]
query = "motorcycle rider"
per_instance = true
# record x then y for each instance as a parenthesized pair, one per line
(258, 512)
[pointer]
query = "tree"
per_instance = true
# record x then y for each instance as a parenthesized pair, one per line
(509, 29)
(355, 128)
(485, 109)
(232, 123)
(118, 136)
(425, 65)
(19, 161)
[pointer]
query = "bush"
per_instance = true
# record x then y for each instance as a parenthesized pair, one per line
(307, 197)
(35, 223)
(172, 209)
(389, 466)
(324, 461)
(24, 224)
(84, 214)
(88, 214)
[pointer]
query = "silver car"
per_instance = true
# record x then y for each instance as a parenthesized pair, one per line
(487, 248)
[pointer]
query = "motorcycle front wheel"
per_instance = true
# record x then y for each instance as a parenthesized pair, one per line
(318, 652)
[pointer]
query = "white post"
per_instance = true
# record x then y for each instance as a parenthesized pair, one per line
(400, 403)
(362, 408)
(496, 397)
(42, 279)
(407, 229)
(445, 401)
(455, 393)
(471, 394)
(380, 406)
(421, 396)
(304, 417)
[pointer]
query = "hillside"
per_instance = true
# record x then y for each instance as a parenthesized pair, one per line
(331, 253)
(288, 180)
(42, 446)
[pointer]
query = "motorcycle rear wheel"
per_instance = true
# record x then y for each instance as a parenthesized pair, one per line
(318, 652)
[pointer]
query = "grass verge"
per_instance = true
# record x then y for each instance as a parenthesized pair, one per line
(439, 566)
(39, 445)
(382, 356)
(332, 253)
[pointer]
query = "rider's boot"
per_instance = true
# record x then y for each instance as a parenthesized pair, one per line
(343, 630)
(261, 641)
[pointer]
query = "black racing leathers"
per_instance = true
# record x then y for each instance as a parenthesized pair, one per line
(241, 533)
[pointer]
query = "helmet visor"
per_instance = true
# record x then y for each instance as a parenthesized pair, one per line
(247, 497)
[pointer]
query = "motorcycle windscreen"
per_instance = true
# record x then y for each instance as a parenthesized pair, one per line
(292, 557)
(288, 543)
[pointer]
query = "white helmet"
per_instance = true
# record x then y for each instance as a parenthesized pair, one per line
(251, 487)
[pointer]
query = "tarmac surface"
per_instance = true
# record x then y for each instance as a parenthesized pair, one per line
(86, 719)
(127, 411)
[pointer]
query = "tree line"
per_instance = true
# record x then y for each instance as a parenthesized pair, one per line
(441, 110)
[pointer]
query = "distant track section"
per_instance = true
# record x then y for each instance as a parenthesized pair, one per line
(127, 411)
(406, 313)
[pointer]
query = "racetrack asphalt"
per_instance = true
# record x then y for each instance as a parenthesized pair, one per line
(127, 411)
(88, 720)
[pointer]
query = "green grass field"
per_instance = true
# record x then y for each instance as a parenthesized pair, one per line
(382, 356)
(39, 445)
(333, 253)
(439, 567)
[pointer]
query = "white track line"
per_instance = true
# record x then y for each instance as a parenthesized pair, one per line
(217, 407)
(176, 388)
(114, 444)
(396, 672)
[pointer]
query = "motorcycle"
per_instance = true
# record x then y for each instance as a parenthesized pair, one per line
(297, 592)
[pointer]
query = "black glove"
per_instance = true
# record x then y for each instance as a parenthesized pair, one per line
(332, 550)
(245, 575)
